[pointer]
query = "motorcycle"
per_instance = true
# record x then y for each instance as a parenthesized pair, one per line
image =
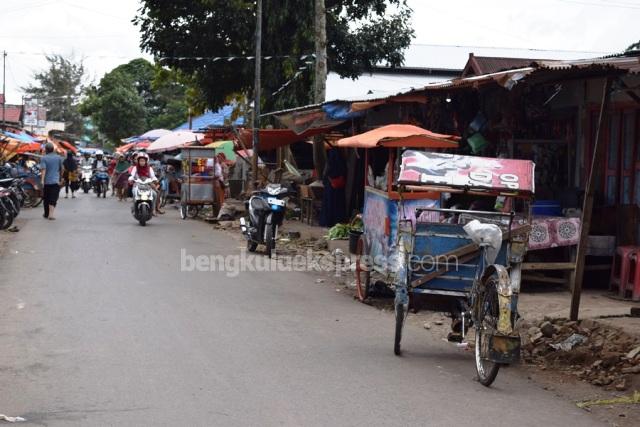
(142, 208)
(86, 175)
(30, 185)
(266, 209)
(101, 182)
(9, 208)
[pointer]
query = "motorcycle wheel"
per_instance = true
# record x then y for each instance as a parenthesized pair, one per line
(16, 203)
(270, 241)
(488, 312)
(183, 211)
(85, 187)
(7, 217)
(144, 214)
(3, 217)
(400, 317)
(251, 246)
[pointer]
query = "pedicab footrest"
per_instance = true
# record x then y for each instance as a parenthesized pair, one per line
(504, 348)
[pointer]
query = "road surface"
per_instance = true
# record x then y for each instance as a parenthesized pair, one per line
(98, 326)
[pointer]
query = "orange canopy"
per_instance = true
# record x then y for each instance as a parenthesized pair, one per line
(399, 136)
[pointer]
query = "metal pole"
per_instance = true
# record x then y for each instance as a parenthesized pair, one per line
(4, 87)
(256, 92)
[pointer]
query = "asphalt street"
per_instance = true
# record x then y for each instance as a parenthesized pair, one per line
(99, 326)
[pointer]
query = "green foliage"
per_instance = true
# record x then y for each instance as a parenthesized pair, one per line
(59, 87)
(135, 97)
(635, 46)
(116, 107)
(360, 34)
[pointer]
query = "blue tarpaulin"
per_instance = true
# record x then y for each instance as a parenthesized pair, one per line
(212, 119)
(19, 136)
(340, 111)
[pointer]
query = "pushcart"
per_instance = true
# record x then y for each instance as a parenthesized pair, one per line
(199, 186)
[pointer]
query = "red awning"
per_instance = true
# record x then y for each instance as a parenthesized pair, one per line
(399, 136)
(274, 138)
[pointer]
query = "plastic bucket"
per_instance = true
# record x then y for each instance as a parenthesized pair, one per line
(354, 236)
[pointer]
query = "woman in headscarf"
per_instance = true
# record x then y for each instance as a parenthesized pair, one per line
(120, 176)
(70, 175)
(142, 170)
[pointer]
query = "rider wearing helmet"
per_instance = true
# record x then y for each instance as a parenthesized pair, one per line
(100, 161)
(142, 170)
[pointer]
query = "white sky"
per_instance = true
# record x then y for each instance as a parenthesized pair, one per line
(102, 32)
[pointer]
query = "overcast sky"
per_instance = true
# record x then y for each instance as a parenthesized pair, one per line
(102, 32)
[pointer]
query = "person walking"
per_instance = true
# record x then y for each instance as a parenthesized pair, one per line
(51, 169)
(70, 175)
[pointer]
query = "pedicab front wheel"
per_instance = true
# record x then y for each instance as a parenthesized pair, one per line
(487, 321)
(401, 314)
(363, 273)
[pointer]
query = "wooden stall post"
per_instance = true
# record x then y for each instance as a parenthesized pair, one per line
(587, 207)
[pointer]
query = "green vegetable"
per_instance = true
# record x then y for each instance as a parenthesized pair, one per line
(339, 232)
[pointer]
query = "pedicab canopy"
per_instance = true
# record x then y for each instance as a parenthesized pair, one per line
(468, 173)
(408, 136)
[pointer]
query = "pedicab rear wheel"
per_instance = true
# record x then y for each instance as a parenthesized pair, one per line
(363, 273)
(487, 321)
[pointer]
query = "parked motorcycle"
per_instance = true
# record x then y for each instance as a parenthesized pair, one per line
(142, 208)
(86, 176)
(30, 185)
(9, 206)
(101, 182)
(266, 210)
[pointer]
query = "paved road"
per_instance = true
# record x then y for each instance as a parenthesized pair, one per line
(98, 326)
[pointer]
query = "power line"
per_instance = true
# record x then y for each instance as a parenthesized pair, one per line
(617, 5)
(511, 48)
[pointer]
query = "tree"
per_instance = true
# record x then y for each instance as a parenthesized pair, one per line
(135, 97)
(116, 107)
(360, 35)
(60, 87)
(635, 46)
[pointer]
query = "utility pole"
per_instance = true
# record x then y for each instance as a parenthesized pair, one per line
(320, 92)
(4, 86)
(256, 93)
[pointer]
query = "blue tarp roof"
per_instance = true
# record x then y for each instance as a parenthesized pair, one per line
(212, 119)
(19, 136)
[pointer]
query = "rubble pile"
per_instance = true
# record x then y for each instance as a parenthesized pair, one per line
(594, 352)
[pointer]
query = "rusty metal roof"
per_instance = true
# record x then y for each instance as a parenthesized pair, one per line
(479, 65)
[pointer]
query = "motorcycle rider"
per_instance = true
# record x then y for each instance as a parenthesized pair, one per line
(142, 170)
(100, 161)
(86, 159)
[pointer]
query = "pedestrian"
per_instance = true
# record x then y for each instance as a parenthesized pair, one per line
(70, 175)
(219, 184)
(51, 169)
(110, 170)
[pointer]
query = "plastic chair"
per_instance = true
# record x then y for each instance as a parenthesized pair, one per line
(621, 268)
(634, 280)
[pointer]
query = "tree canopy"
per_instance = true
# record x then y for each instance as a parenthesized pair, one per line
(59, 87)
(360, 33)
(135, 97)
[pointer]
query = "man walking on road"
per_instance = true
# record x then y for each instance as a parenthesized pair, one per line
(51, 165)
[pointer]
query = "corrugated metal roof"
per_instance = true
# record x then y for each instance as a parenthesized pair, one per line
(12, 113)
(630, 64)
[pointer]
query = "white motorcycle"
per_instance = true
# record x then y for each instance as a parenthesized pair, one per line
(86, 175)
(143, 203)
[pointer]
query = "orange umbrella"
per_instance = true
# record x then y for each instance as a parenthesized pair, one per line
(399, 136)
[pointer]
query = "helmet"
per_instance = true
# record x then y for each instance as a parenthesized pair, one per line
(99, 153)
(143, 155)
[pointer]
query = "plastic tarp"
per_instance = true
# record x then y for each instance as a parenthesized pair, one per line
(173, 141)
(219, 118)
(340, 111)
(399, 136)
